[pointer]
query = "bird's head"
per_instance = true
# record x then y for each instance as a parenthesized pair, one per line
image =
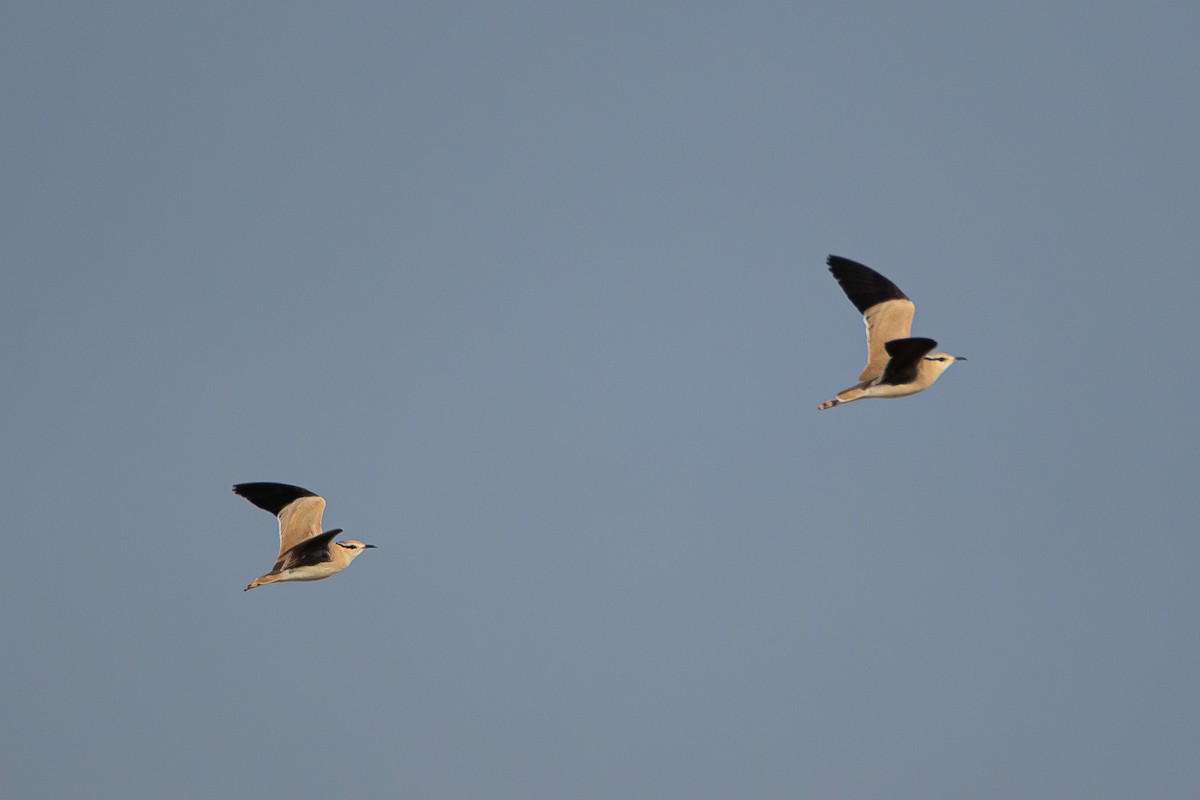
(353, 547)
(940, 362)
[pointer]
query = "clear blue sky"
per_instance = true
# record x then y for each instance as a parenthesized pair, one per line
(535, 295)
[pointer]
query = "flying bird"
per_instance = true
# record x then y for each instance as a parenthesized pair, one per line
(897, 365)
(305, 552)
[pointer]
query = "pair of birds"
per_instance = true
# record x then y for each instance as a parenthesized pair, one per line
(897, 366)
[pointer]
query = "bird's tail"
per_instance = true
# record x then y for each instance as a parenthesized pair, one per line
(263, 581)
(844, 396)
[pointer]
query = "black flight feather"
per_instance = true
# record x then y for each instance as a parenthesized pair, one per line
(273, 497)
(308, 553)
(864, 286)
(905, 354)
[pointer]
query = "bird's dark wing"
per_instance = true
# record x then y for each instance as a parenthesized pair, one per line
(308, 553)
(864, 286)
(906, 355)
(271, 497)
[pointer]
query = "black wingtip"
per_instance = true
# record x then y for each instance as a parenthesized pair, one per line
(273, 497)
(834, 260)
(864, 286)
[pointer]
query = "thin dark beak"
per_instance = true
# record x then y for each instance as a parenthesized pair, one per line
(369, 547)
(960, 358)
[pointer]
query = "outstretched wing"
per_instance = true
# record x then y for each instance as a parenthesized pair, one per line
(887, 311)
(299, 510)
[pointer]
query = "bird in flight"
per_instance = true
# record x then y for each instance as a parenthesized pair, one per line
(305, 552)
(897, 365)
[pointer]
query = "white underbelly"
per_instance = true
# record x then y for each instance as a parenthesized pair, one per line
(311, 573)
(886, 390)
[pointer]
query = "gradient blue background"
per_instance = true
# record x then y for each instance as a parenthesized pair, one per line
(534, 293)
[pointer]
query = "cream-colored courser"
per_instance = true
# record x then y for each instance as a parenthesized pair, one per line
(897, 365)
(305, 552)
